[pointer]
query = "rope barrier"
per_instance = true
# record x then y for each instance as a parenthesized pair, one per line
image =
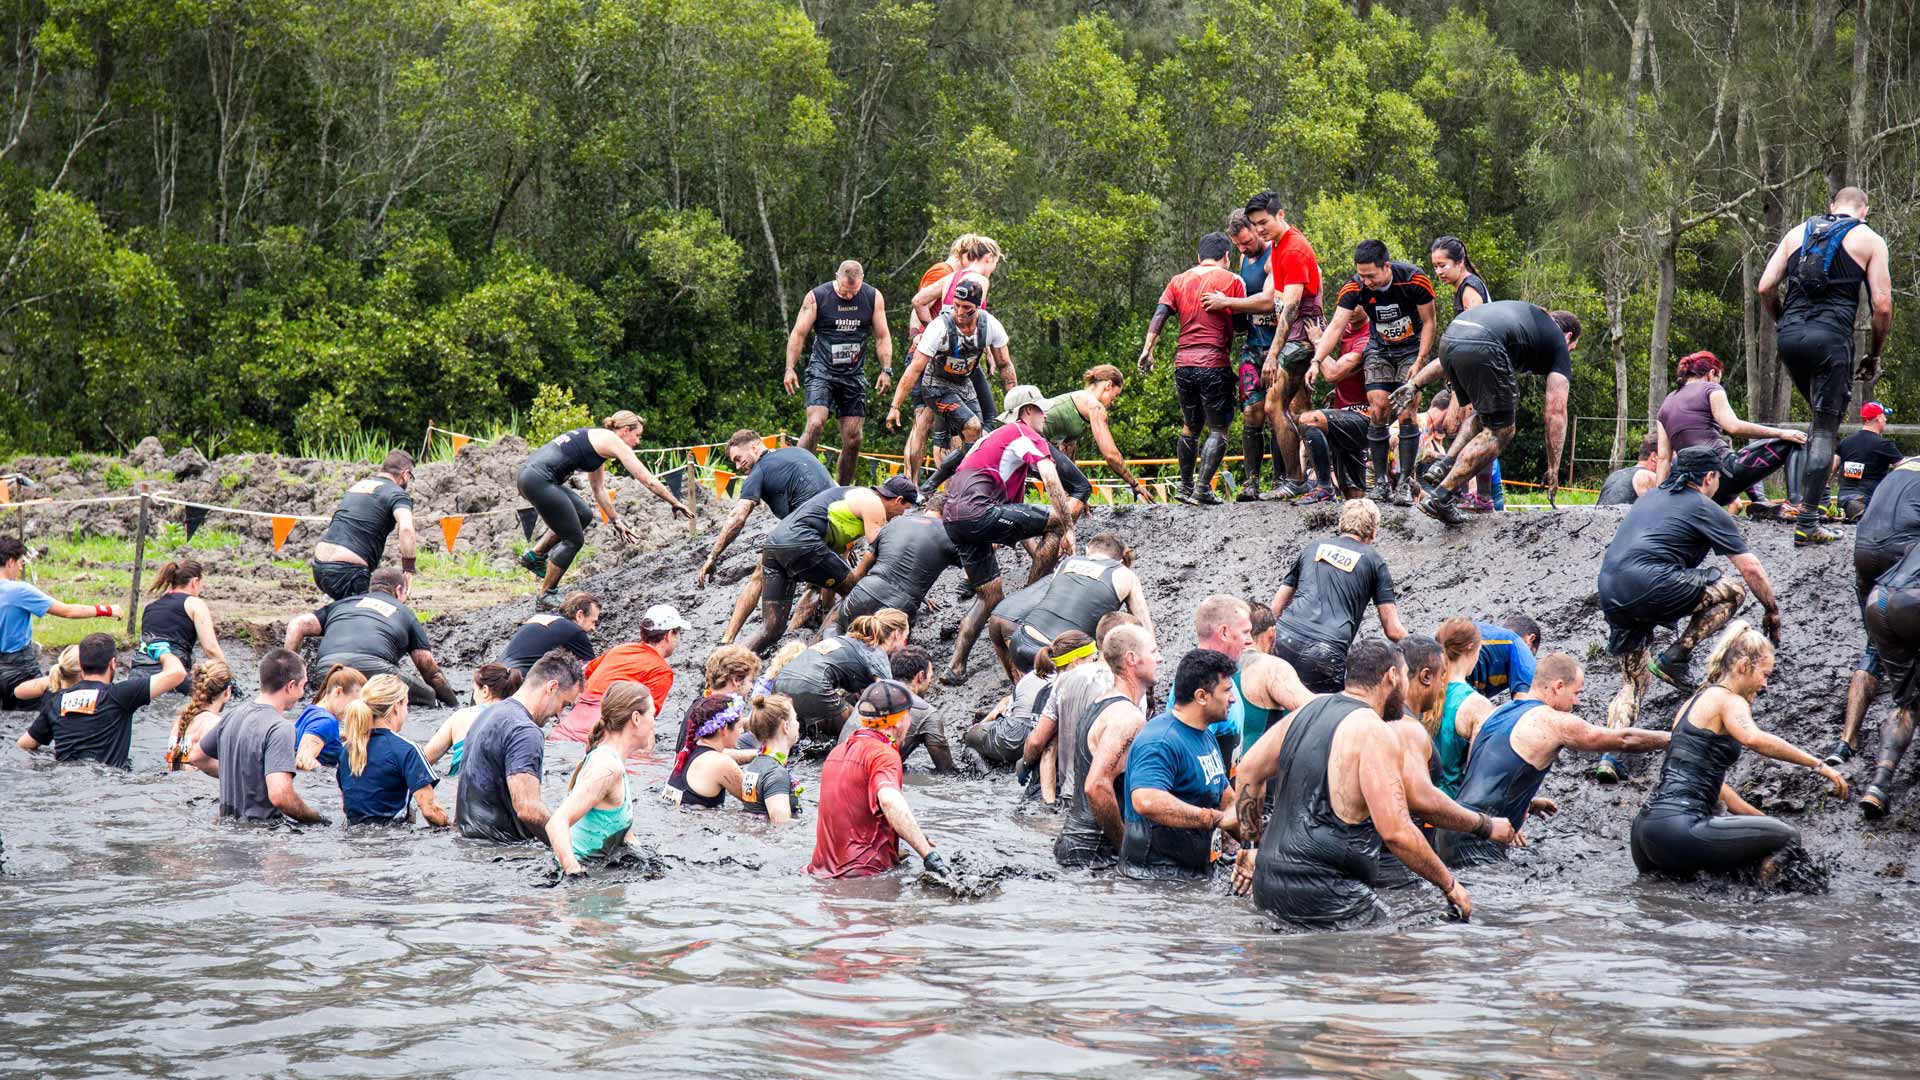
(69, 502)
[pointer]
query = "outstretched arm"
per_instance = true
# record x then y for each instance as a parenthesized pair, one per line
(736, 520)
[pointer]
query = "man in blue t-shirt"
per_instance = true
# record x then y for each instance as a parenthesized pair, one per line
(21, 680)
(1507, 649)
(1176, 778)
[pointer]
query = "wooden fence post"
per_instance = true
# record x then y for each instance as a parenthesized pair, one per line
(139, 563)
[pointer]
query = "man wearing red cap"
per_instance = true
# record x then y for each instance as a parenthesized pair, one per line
(863, 816)
(1865, 457)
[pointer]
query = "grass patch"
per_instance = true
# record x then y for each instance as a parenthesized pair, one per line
(232, 480)
(473, 563)
(52, 633)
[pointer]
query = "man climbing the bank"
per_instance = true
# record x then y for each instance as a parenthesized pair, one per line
(356, 536)
(784, 480)
(1397, 298)
(371, 633)
(842, 315)
(1202, 376)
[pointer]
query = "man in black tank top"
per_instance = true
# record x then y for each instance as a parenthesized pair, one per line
(356, 537)
(1625, 485)
(1102, 735)
(1823, 263)
(841, 315)
(1075, 597)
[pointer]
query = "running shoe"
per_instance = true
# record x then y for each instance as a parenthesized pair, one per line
(1839, 755)
(1445, 511)
(1208, 498)
(1185, 495)
(1811, 530)
(1609, 770)
(1474, 503)
(1790, 512)
(1248, 493)
(535, 563)
(1403, 494)
(1672, 673)
(1381, 492)
(1319, 494)
(1760, 510)
(1291, 489)
(549, 600)
(1877, 800)
(1437, 472)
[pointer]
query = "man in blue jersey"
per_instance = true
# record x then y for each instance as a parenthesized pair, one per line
(1507, 649)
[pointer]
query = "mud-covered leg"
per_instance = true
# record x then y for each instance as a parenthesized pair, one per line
(1895, 734)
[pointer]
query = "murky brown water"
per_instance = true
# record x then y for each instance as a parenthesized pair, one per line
(142, 938)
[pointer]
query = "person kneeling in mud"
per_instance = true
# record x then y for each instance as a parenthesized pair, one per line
(863, 816)
(766, 787)
(913, 668)
(1177, 791)
(1677, 831)
(1075, 597)
(1516, 747)
(371, 633)
(596, 818)
(1342, 797)
(825, 678)
(1001, 738)
(1651, 577)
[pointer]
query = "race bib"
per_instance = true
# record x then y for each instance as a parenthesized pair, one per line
(79, 702)
(1853, 470)
(385, 609)
(829, 647)
(670, 794)
(1396, 330)
(845, 356)
(958, 366)
(1339, 558)
(544, 620)
(750, 787)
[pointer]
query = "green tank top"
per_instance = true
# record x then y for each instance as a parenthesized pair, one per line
(1253, 718)
(844, 525)
(1063, 422)
(1451, 747)
(600, 830)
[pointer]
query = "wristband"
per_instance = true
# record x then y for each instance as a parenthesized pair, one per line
(103, 611)
(408, 564)
(1484, 828)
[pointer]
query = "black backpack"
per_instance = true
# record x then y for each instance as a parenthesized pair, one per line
(1822, 240)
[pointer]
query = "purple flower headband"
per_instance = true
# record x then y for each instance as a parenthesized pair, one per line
(732, 714)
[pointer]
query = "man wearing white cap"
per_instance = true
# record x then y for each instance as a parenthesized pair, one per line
(644, 661)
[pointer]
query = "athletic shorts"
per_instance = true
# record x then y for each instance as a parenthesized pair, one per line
(787, 566)
(1893, 626)
(1071, 478)
(1387, 370)
(820, 711)
(1007, 524)
(1672, 598)
(1025, 643)
(1253, 388)
(1321, 665)
(1821, 366)
(1347, 442)
(1206, 397)
(340, 580)
(21, 665)
(1481, 374)
(954, 406)
(843, 393)
(1296, 357)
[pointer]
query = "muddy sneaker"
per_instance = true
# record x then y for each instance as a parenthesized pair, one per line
(1673, 673)
(1317, 495)
(1405, 494)
(1764, 511)
(1609, 770)
(535, 562)
(1790, 512)
(1811, 530)
(549, 600)
(1207, 498)
(1436, 473)
(1877, 799)
(1839, 755)
(1474, 503)
(1249, 493)
(1291, 489)
(1185, 495)
(1443, 507)
(1381, 492)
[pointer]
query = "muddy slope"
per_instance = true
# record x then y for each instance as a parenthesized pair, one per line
(1542, 563)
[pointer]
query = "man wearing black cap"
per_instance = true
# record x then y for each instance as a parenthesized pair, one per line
(810, 546)
(949, 350)
(1203, 375)
(863, 815)
(1651, 577)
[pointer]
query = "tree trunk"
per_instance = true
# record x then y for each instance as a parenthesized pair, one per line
(1616, 300)
(1857, 176)
(1662, 318)
(1642, 30)
(773, 249)
(1771, 401)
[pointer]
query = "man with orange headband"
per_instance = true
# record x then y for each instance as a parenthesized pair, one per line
(863, 815)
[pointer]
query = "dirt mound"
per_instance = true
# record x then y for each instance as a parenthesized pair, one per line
(1540, 563)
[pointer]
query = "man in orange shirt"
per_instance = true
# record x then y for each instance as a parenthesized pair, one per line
(643, 661)
(1203, 377)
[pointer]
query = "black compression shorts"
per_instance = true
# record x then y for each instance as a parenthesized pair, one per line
(1481, 373)
(790, 565)
(1006, 524)
(1893, 627)
(1674, 597)
(340, 580)
(1821, 366)
(1206, 397)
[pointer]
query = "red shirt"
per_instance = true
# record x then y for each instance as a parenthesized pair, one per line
(1293, 262)
(1205, 336)
(851, 837)
(633, 662)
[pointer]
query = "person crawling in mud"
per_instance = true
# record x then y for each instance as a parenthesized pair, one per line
(371, 633)
(1517, 745)
(1075, 597)
(783, 480)
(863, 815)
(1651, 577)
(913, 550)
(1677, 831)
(369, 513)
(810, 547)
(1339, 796)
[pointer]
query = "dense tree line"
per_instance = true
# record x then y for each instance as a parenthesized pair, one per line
(246, 224)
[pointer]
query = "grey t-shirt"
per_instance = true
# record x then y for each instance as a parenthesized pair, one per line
(251, 742)
(1073, 694)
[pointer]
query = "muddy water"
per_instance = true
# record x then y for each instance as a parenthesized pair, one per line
(142, 938)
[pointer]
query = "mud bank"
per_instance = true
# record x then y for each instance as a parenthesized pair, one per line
(1541, 563)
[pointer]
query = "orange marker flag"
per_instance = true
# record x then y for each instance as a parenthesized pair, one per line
(458, 442)
(6, 491)
(282, 528)
(700, 455)
(721, 478)
(450, 528)
(771, 442)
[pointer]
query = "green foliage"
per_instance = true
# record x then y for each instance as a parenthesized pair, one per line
(554, 411)
(119, 477)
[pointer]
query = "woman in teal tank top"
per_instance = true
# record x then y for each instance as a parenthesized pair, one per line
(596, 817)
(1464, 707)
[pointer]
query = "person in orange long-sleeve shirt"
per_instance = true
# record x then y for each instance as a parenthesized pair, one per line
(643, 661)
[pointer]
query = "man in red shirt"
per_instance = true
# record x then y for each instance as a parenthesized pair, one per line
(643, 661)
(863, 816)
(1203, 376)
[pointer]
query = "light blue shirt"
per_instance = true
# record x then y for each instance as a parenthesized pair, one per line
(20, 604)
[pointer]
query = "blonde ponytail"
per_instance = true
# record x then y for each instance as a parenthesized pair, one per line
(378, 698)
(1740, 641)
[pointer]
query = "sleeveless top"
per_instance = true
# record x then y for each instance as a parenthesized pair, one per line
(1471, 283)
(1254, 719)
(678, 792)
(1687, 414)
(569, 452)
(1080, 823)
(841, 327)
(1304, 835)
(1077, 597)
(1500, 780)
(166, 619)
(600, 831)
(1260, 324)
(1617, 489)
(1449, 747)
(1823, 290)
(1696, 765)
(1063, 422)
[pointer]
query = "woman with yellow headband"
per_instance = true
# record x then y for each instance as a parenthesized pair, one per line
(1001, 738)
